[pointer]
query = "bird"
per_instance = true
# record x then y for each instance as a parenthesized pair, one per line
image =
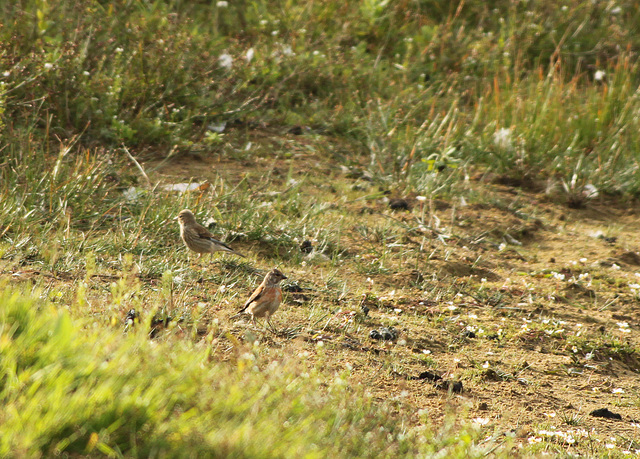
(197, 238)
(266, 298)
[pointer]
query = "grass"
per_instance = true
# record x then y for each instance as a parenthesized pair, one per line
(313, 125)
(72, 386)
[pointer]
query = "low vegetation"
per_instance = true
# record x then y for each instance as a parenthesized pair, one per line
(457, 173)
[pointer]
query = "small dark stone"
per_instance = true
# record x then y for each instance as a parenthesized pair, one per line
(299, 298)
(428, 376)
(468, 334)
(453, 386)
(629, 257)
(131, 318)
(211, 223)
(552, 260)
(605, 413)
(384, 334)
(416, 276)
(608, 239)
(365, 309)
(295, 130)
(306, 246)
(398, 204)
(291, 287)
(495, 336)
(483, 406)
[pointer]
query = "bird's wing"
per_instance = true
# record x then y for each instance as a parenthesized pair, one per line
(256, 295)
(203, 233)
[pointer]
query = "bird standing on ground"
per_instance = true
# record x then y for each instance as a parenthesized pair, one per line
(266, 298)
(197, 238)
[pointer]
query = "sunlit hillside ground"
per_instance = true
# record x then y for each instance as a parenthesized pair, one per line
(450, 187)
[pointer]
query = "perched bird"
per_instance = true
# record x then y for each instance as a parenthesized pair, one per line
(197, 238)
(266, 298)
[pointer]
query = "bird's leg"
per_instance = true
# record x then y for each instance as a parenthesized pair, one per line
(272, 329)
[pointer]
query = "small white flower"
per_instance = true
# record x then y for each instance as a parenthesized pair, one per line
(6, 74)
(590, 191)
(274, 32)
(48, 66)
(249, 55)
(131, 194)
(421, 198)
(85, 73)
(226, 61)
(287, 51)
(502, 138)
(617, 390)
(222, 4)
(599, 75)
(263, 22)
(119, 50)
(615, 266)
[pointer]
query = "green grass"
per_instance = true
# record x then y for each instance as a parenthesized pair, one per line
(71, 386)
(413, 85)
(396, 99)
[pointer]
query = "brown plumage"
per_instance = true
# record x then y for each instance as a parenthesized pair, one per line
(197, 238)
(266, 298)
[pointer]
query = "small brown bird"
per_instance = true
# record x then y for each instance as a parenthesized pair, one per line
(266, 298)
(197, 238)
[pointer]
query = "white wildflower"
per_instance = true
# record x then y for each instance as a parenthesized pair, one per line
(590, 191)
(502, 139)
(287, 51)
(226, 61)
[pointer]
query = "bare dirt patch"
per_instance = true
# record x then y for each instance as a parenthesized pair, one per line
(531, 306)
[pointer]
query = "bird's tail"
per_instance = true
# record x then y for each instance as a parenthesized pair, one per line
(226, 248)
(240, 313)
